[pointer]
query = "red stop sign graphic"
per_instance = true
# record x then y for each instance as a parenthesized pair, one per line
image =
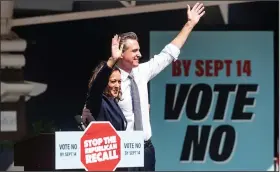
(100, 147)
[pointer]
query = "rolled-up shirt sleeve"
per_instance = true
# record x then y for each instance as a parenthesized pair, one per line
(156, 64)
(172, 50)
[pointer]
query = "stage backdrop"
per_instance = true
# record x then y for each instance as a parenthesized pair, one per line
(213, 108)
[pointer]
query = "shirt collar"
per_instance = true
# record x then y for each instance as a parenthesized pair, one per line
(124, 74)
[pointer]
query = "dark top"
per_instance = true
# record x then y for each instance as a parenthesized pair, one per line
(104, 108)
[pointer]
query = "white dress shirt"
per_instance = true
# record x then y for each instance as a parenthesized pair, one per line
(142, 75)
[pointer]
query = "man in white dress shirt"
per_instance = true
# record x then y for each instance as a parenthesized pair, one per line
(143, 73)
(136, 76)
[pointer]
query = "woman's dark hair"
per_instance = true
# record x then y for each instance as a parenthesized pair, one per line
(94, 74)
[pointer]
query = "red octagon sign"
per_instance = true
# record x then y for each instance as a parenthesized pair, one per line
(100, 147)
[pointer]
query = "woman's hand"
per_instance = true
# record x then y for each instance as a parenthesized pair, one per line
(86, 116)
(116, 51)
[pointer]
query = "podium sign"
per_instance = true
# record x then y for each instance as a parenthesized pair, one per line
(98, 145)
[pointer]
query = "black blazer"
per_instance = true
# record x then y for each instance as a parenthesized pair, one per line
(104, 108)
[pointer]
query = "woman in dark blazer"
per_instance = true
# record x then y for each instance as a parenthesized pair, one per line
(105, 91)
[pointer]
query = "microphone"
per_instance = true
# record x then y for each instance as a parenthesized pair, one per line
(78, 119)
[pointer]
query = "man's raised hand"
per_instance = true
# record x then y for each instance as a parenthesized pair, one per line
(195, 13)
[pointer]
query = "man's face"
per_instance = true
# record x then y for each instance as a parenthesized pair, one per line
(132, 54)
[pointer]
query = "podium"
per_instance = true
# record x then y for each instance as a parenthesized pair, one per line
(99, 148)
(36, 153)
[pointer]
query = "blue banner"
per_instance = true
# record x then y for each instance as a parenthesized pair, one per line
(213, 108)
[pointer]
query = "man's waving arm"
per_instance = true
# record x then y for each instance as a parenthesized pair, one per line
(172, 50)
(194, 15)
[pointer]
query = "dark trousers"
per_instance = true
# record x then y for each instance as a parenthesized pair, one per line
(149, 158)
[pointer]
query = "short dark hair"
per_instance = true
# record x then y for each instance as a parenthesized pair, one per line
(126, 36)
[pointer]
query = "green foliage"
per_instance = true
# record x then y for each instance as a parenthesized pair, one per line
(6, 144)
(43, 127)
